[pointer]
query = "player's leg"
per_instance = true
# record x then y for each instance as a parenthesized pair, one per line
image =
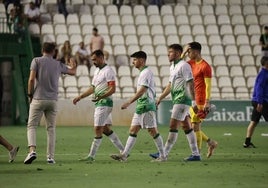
(191, 137)
(12, 149)
(113, 137)
(35, 114)
(149, 122)
(133, 131)
(255, 118)
(100, 116)
(50, 116)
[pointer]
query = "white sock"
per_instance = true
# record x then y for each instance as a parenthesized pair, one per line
(160, 145)
(129, 145)
(192, 143)
(116, 141)
(94, 147)
(171, 140)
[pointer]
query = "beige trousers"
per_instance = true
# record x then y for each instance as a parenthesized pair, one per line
(37, 109)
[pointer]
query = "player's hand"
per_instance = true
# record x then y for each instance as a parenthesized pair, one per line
(259, 107)
(157, 102)
(195, 109)
(76, 99)
(30, 99)
(125, 105)
(96, 98)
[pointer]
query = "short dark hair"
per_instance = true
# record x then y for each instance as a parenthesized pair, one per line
(266, 27)
(195, 46)
(264, 60)
(176, 47)
(98, 53)
(139, 54)
(95, 29)
(49, 47)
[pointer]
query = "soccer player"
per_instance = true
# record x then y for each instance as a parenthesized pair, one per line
(102, 88)
(202, 83)
(145, 115)
(43, 96)
(259, 102)
(181, 87)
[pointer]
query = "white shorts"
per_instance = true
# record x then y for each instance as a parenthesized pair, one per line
(145, 120)
(103, 116)
(180, 111)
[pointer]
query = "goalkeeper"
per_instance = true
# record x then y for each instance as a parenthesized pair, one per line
(202, 83)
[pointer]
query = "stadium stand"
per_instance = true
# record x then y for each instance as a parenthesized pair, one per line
(228, 30)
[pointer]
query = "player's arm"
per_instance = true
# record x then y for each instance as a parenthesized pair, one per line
(31, 82)
(164, 93)
(110, 91)
(208, 91)
(138, 94)
(72, 69)
(190, 89)
(83, 95)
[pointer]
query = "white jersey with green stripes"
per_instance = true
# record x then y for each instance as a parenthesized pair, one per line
(100, 82)
(146, 102)
(180, 74)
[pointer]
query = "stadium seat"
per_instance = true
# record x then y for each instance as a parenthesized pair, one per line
(198, 29)
(242, 39)
(168, 19)
(248, 9)
(212, 30)
(209, 20)
(240, 30)
(61, 38)
(247, 60)
(48, 38)
(262, 9)
(207, 9)
(124, 9)
(202, 39)
(98, 10)
(83, 81)
(129, 30)
(186, 38)
(127, 92)
(241, 93)
(47, 29)
(216, 50)
(172, 39)
(82, 70)
(148, 49)
(165, 69)
(233, 60)
(219, 60)
(118, 40)
(124, 70)
(193, 9)
(182, 20)
(74, 29)
(133, 48)
(58, 19)
(69, 81)
(84, 9)
(99, 19)
(114, 20)
(86, 19)
(131, 40)
(125, 81)
(221, 9)
(166, 10)
(222, 71)
(115, 29)
(223, 19)
(159, 40)
(236, 71)
(119, 49)
(87, 30)
(143, 30)
(160, 50)
(227, 93)
(231, 50)
(251, 19)
(244, 50)
(170, 30)
(155, 20)
(141, 20)
(145, 40)
(237, 19)
(60, 29)
(239, 81)
(250, 71)
(228, 40)
(151, 60)
(152, 10)
(139, 10)
(72, 19)
(214, 40)
(75, 39)
(235, 9)
(180, 9)
(71, 92)
(254, 29)
(226, 29)
(111, 10)
(196, 19)
(127, 19)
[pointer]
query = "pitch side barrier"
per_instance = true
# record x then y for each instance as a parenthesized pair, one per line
(228, 112)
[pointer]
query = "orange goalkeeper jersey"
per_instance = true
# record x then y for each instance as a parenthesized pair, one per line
(201, 70)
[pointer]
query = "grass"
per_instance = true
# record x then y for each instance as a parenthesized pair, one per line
(230, 166)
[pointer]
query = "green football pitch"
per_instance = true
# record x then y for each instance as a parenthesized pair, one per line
(230, 166)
